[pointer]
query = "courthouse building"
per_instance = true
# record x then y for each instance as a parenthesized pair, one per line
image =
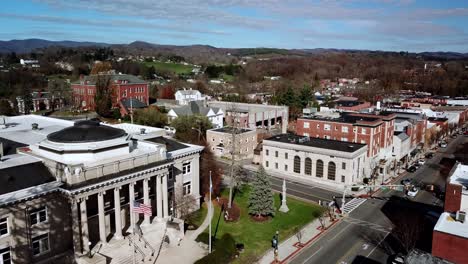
(66, 187)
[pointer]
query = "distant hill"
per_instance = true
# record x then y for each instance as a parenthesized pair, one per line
(28, 45)
(200, 51)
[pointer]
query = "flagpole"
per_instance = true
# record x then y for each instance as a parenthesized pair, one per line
(209, 212)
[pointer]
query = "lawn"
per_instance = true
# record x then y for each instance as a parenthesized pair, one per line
(177, 68)
(256, 236)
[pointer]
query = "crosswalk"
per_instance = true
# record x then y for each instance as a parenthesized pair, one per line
(353, 204)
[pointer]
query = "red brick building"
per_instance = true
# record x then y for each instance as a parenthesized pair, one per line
(450, 235)
(375, 130)
(123, 86)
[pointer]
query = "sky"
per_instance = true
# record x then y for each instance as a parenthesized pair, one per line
(395, 25)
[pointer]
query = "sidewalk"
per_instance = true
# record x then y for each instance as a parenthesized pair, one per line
(288, 248)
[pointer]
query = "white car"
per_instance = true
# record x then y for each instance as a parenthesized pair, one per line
(421, 162)
(443, 144)
(412, 192)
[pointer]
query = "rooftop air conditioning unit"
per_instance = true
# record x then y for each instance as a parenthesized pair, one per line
(460, 216)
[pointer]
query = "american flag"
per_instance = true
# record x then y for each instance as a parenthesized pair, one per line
(142, 208)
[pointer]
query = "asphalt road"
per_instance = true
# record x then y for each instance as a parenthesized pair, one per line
(296, 189)
(365, 235)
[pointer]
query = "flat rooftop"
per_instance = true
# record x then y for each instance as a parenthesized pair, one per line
(243, 107)
(346, 118)
(317, 142)
(448, 224)
(171, 145)
(460, 175)
(230, 129)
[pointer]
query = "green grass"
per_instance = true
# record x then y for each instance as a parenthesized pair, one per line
(227, 77)
(256, 236)
(177, 68)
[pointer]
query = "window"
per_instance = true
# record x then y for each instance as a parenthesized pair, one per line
(306, 125)
(306, 134)
(267, 152)
(285, 167)
(171, 172)
(344, 129)
(363, 142)
(344, 139)
(38, 215)
(326, 127)
(186, 168)
(343, 166)
(4, 226)
(187, 188)
(276, 153)
(342, 178)
(319, 169)
(326, 137)
(297, 164)
(276, 165)
(363, 131)
(336, 128)
(40, 244)
(5, 255)
(267, 164)
(308, 166)
(285, 155)
(331, 170)
(318, 125)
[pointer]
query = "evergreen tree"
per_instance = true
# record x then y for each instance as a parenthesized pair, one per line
(305, 96)
(261, 201)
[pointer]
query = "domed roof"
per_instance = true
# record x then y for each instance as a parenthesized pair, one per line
(86, 131)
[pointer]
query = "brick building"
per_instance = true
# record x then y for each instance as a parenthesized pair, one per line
(450, 235)
(374, 130)
(352, 105)
(123, 86)
(220, 142)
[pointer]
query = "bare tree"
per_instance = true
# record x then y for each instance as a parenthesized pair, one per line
(407, 229)
(184, 205)
(298, 233)
(234, 118)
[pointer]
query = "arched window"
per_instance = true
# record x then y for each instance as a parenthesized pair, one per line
(308, 166)
(331, 170)
(297, 164)
(319, 170)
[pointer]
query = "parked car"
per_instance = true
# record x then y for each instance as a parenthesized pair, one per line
(411, 169)
(413, 192)
(421, 161)
(466, 133)
(443, 144)
(397, 259)
(406, 182)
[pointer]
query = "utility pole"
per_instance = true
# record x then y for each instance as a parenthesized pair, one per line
(233, 150)
(210, 211)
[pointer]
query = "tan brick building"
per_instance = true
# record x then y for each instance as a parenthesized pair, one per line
(220, 142)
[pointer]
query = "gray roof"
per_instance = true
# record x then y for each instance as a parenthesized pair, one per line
(132, 79)
(317, 142)
(24, 176)
(135, 103)
(171, 145)
(194, 108)
(86, 131)
(188, 92)
(401, 135)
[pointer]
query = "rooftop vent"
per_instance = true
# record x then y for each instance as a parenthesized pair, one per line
(142, 131)
(460, 216)
(35, 126)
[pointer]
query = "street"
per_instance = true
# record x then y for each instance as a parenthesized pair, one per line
(365, 235)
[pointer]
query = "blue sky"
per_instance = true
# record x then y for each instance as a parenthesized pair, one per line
(399, 25)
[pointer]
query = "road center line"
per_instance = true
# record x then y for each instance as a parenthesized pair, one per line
(370, 253)
(337, 234)
(311, 256)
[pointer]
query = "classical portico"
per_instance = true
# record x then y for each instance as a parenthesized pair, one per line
(106, 169)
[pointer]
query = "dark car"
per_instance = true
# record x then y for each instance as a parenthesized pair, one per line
(406, 182)
(411, 169)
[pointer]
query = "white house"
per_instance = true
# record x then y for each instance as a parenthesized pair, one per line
(315, 160)
(214, 114)
(184, 97)
(401, 148)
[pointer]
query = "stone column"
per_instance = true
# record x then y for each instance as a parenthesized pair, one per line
(131, 191)
(102, 219)
(146, 199)
(76, 227)
(117, 214)
(159, 211)
(84, 225)
(165, 197)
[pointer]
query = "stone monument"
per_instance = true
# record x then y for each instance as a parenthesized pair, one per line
(284, 207)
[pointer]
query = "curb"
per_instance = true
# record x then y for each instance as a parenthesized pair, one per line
(304, 245)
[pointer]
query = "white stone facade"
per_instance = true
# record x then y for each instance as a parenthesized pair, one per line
(184, 97)
(350, 167)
